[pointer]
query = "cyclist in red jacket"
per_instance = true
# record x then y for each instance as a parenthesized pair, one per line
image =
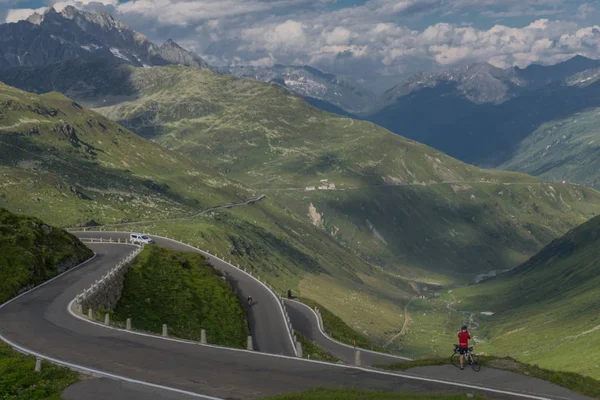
(463, 344)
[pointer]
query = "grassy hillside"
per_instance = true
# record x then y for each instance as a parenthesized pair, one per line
(269, 138)
(393, 202)
(545, 312)
(313, 351)
(565, 149)
(32, 252)
(339, 330)
(70, 165)
(402, 219)
(18, 380)
(182, 290)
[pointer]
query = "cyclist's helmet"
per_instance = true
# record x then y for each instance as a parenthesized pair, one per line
(464, 328)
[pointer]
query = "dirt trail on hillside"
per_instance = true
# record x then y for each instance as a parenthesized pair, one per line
(404, 326)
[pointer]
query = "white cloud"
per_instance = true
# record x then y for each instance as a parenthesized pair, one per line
(369, 40)
(60, 5)
(22, 14)
(186, 12)
(338, 35)
(584, 10)
(287, 37)
(262, 62)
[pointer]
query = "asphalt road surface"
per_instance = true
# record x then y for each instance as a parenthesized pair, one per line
(265, 318)
(40, 322)
(306, 322)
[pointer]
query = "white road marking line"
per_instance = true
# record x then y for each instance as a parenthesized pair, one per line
(296, 359)
(290, 335)
(344, 344)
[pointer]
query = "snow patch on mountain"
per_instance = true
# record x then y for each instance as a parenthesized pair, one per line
(117, 53)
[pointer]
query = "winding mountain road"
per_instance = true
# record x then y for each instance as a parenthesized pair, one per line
(306, 321)
(149, 367)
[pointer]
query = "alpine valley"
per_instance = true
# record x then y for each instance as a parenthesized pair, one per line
(100, 126)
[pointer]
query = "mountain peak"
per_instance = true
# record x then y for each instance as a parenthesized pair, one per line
(82, 34)
(69, 11)
(35, 18)
(171, 43)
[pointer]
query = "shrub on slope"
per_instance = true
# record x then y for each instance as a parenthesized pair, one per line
(32, 252)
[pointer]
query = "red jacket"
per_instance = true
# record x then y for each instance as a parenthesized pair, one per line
(463, 339)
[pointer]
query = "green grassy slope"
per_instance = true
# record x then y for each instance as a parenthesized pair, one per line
(132, 179)
(313, 351)
(566, 149)
(402, 220)
(269, 138)
(32, 252)
(546, 310)
(395, 203)
(339, 330)
(70, 165)
(18, 381)
(182, 290)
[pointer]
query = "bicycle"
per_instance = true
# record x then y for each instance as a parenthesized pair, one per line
(470, 358)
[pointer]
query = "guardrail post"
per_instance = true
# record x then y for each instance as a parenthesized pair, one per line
(128, 324)
(107, 319)
(357, 358)
(165, 331)
(38, 365)
(250, 346)
(299, 349)
(203, 336)
(118, 240)
(90, 313)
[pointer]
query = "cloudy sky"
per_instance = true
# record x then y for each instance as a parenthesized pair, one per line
(378, 41)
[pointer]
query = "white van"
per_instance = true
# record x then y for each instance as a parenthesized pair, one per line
(140, 238)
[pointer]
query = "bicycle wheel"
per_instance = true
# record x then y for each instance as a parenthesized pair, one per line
(475, 363)
(455, 359)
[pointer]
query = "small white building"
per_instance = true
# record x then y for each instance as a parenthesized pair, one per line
(309, 188)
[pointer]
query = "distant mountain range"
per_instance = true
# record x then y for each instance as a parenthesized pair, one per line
(481, 113)
(53, 37)
(483, 83)
(341, 95)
